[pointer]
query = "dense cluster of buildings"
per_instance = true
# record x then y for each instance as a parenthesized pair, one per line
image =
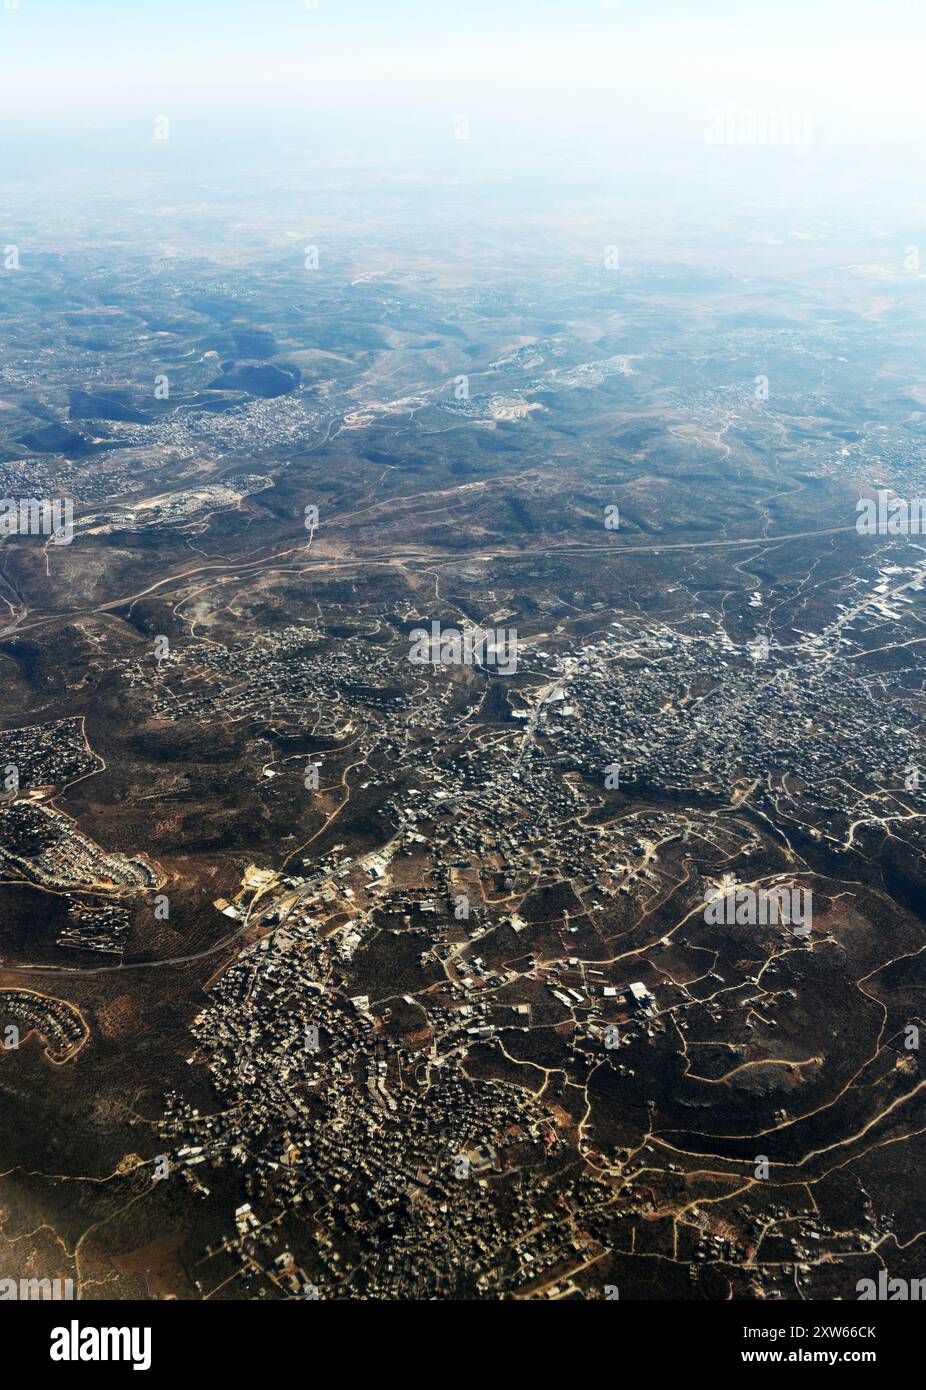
(45, 847)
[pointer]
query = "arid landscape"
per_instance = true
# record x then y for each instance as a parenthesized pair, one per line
(461, 808)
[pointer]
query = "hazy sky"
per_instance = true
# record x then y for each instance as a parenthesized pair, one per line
(84, 57)
(633, 81)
